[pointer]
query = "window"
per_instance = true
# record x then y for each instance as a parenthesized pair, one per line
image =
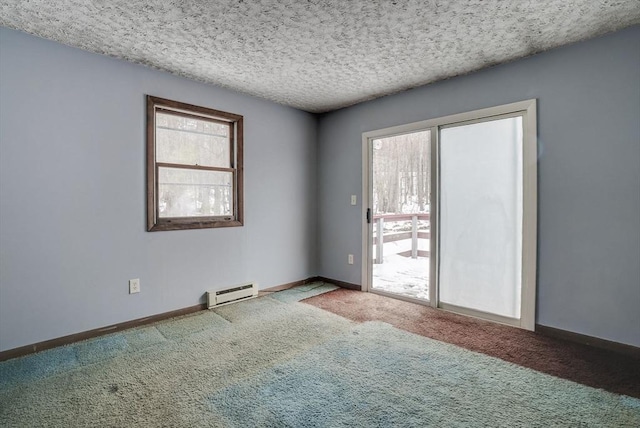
(194, 167)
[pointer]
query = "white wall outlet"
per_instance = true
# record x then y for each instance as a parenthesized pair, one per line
(354, 199)
(134, 286)
(350, 259)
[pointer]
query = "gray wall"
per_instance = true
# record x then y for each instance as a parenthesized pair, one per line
(72, 195)
(72, 215)
(589, 175)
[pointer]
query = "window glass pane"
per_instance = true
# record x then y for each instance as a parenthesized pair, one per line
(191, 141)
(194, 193)
(481, 216)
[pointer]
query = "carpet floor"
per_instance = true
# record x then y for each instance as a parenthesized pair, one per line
(275, 362)
(579, 363)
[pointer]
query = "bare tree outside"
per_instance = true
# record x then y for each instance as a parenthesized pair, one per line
(401, 171)
(401, 167)
(188, 192)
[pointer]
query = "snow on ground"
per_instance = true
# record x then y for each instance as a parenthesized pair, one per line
(402, 275)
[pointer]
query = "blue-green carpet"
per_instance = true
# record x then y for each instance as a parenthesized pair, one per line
(274, 362)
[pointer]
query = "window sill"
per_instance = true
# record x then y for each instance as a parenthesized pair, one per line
(182, 224)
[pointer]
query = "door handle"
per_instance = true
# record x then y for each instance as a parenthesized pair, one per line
(368, 215)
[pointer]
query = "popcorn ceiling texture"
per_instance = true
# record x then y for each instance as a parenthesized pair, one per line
(318, 55)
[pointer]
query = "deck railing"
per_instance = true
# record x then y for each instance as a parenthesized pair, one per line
(414, 234)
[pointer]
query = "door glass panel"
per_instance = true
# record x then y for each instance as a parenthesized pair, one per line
(401, 170)
(481, 216)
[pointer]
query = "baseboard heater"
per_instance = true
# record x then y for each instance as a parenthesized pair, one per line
(231, 295)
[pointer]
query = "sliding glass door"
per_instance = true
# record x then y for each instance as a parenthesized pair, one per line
(466, 215)
(481, 216)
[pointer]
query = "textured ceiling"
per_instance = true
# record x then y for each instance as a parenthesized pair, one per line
(318, 55)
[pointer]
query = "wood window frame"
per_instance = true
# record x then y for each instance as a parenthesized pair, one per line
(154, 221)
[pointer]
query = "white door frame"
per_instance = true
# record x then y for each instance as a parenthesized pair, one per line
(367, 196)
(526, 109)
